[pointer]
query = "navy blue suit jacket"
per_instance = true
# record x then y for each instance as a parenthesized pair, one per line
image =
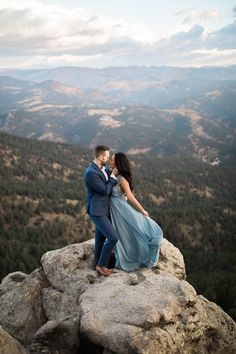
(98, 190)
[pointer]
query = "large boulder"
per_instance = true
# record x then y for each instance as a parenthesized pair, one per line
(21, 308)
(9, 345)
(171, 260)
(59, 305)
(66, 307)
(70, 269)
(11, 281)
(56, 337)
(143, 312)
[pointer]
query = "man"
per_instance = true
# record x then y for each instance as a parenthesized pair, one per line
(99, 183)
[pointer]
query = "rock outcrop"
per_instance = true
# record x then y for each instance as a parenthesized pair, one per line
(9, 345)
(66, 307)
(21, 307)
(57, 336)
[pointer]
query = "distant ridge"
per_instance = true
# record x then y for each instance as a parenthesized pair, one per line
(93, 78)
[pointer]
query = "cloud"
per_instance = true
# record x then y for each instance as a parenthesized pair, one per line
(195, 47)
(225, 38)
(204, 16)
(234, 11)
(53, 32)
(33, 34)
(195, 16)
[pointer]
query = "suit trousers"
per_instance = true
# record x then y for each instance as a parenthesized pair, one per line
(105, 239)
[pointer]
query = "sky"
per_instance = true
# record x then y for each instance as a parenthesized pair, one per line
(101, 33)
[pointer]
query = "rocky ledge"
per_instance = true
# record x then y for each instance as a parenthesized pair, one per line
(65, 307)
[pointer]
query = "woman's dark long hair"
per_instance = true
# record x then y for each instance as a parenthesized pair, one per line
(123, 167)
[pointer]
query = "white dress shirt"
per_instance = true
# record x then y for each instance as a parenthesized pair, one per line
(105, 172)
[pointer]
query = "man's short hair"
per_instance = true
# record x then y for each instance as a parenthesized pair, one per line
(100, 149)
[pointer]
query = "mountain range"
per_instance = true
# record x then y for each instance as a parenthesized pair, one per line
(160, 111)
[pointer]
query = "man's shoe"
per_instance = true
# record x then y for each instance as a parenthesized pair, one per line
(103, 270)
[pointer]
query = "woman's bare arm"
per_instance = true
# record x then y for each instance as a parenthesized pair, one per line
(126, 188)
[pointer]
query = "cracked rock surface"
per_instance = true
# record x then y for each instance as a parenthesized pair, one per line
(66, 307)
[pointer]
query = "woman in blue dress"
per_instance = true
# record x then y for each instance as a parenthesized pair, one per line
(139, 237)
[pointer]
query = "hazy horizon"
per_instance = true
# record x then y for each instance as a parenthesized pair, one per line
(116, 66)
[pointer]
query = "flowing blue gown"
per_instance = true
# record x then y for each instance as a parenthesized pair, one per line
(139, 237)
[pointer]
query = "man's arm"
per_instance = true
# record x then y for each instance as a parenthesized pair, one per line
(93, 179)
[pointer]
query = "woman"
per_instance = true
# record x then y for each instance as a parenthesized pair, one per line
(139, 237)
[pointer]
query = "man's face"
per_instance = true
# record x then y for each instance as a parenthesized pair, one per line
(104, 157)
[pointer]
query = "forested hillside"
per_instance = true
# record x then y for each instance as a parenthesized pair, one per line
(42, 197)
(42, 200)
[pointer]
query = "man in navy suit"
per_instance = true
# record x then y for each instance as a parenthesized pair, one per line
(99, 183)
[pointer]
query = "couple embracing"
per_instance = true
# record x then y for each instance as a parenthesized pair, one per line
(133, 235)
